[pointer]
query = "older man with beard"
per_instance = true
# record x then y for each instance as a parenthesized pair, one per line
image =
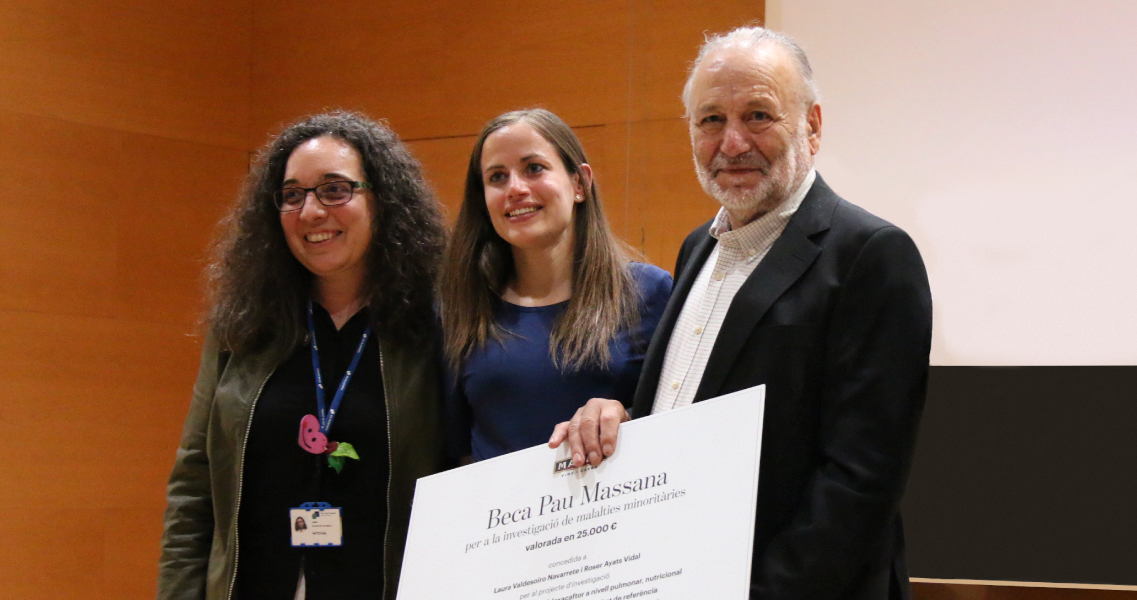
(793, 287)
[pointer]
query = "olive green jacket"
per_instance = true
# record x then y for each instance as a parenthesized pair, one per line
(199, 541)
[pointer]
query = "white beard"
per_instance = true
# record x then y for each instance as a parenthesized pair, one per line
(782, 175)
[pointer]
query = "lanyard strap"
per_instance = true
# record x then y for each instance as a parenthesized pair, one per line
(327, 416)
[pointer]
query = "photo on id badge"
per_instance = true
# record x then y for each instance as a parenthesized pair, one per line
(315, 524)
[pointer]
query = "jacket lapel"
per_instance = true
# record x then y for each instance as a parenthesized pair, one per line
(789, 258)
(657, 349)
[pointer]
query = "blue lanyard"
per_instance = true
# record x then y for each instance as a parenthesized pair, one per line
(327, 416)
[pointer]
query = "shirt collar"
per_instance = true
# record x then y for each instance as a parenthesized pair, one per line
(749, 236)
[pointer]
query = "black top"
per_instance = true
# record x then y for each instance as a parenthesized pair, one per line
(280, 475)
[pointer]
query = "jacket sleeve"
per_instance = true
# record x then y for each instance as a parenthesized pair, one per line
(187, 534)
(875, 380)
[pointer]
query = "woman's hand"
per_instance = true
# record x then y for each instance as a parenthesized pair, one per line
(592, 431)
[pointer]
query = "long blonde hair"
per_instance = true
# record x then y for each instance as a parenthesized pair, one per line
(479, 263)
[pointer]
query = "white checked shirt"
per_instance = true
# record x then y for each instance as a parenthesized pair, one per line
(734, 258)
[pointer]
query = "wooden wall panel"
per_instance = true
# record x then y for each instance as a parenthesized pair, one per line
(444, 163)
(92, 407)
(606, 148)
(664, 191)
(126, 132)
(68, 565)
(442, 69)
(170, 69)
(61, 257)
(101, 212)
(91, 417)
(178, 192)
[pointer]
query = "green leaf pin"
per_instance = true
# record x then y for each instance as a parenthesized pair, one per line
(342, 452)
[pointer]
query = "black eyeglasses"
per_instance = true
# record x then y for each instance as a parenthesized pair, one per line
(332, 193)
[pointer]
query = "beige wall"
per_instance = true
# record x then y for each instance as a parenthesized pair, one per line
(1000, 135)
(126, 127)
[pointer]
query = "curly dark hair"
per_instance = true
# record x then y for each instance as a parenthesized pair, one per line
(258, 288)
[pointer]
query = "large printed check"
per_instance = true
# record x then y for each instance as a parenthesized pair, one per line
(669, 516)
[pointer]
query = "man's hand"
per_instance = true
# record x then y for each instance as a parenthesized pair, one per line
(592, 431)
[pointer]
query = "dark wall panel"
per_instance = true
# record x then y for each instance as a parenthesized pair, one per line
(1026, 474)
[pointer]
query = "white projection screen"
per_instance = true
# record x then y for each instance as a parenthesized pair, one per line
(1002, 135)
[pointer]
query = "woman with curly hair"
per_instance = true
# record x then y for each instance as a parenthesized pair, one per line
(542, 306)
(322, 282)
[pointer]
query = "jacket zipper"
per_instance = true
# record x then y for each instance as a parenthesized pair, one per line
(240, 487)
(390, 466)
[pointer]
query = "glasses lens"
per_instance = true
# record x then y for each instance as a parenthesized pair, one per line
(291, 198)
(335, 192)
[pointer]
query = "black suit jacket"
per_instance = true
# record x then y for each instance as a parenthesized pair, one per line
(836, 320)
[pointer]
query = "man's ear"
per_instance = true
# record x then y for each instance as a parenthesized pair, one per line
(813, 121)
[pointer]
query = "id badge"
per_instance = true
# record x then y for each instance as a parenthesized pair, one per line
(315, 524)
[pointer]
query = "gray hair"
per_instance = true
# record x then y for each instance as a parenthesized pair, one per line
(752, 38)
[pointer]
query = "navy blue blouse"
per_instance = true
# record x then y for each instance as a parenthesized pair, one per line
(509, 396)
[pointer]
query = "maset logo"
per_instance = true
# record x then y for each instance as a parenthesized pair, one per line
(563, 465)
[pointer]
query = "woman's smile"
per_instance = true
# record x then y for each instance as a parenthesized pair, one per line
(530, 196)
